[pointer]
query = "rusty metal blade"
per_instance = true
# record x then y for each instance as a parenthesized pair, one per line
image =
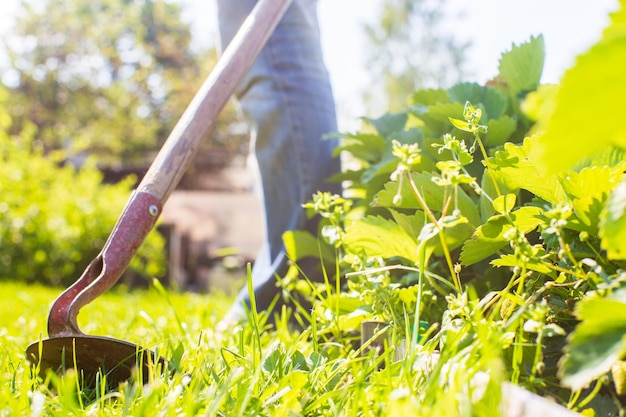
(116, 359)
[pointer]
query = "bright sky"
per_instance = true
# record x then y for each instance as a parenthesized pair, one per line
(569, 28)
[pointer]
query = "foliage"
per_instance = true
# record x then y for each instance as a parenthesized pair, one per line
(55, 219)
(107, 77)
(408, 49)
(595, 75)
(596, 345)
(482, 267)
(450, 200)
(246, 371)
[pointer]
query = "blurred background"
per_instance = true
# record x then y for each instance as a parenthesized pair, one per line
(105, 81)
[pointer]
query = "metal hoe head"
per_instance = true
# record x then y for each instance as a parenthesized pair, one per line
(90, 356)
(68, 347)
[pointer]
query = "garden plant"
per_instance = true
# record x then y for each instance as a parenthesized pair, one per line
(482, 230)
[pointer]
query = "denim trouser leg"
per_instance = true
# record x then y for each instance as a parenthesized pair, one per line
(288, 102)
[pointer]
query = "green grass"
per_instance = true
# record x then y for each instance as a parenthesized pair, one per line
(249, 371)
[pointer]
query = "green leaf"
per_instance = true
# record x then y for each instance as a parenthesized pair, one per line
(518, 166)
(500, 130)
(411, 224)
(384, 167)
(491, 236)
(432, 193)
(610, 157)
(540, 103)
(522, 66)
(387, 162)
(366, 146)
(455, 228)
(588, 191)
(491, 100)
(505, 203)
(512, 261)
(274, 361)
(456, 231)
(300, 244)
(460, 124)
(437, 117)
(597, 342)
(613, 223)
(589, 110)
(487, 183)
(388, 124)
(429, 97)
(376, 236)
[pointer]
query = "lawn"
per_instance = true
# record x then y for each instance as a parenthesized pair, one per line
(247, 371)
(170, 322)
(492, 259)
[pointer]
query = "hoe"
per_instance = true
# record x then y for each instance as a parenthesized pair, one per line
(67, 346)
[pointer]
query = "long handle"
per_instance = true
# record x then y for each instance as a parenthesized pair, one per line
(201, 115)
(144, 207)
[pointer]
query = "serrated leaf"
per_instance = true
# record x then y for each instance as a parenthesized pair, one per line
(610, 157)
(379, 237)
(387, 162)
(490, 237)
(301, 244)
(432, 193)
(539, 104)
(411, 224)
(384, 167)
(436, 118)
(522, 66)
(388, 124)
(408, 136)
(428, 97)
(512, 261)
(366, 146)
(491, 100)
(596, 343)
(589, 106)
(500, 130)
(613, 223)
(518, 166)
(588, 191)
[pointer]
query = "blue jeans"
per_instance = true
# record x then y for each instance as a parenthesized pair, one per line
(288, 103)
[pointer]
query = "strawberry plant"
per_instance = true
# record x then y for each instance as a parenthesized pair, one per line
(480, 233)
(472, 209)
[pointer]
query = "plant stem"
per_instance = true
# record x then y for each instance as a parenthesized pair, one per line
(440, 230)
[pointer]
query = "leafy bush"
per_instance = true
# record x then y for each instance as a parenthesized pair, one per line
(463, 218)
(54, 220)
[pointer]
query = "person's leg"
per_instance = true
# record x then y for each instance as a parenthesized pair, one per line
(288, 102)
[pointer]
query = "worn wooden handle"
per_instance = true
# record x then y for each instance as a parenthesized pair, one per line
(144, 206)
(200, 116)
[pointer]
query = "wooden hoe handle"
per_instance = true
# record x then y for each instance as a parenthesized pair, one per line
(145, 204)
